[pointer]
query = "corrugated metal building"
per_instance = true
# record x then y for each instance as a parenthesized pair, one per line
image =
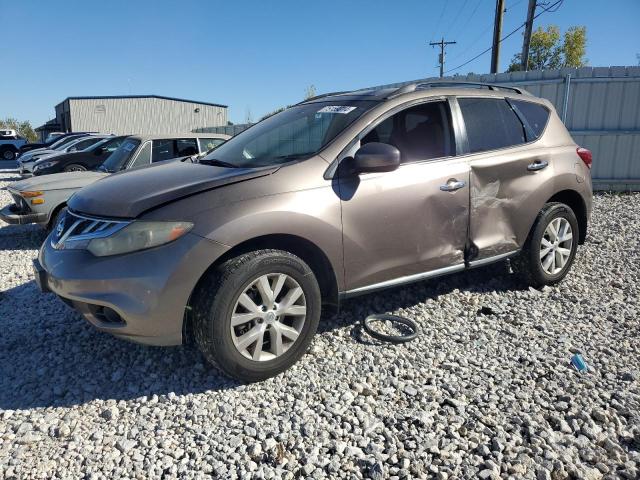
(599, 105)
(137, 114)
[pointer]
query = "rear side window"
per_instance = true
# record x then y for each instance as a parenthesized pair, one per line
(185, 147)
(535, 114)
(207, 144)
(491, 124)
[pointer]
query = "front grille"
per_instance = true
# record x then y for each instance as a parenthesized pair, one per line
(75, 230)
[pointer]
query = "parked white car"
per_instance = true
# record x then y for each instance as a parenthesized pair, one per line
(42, 199)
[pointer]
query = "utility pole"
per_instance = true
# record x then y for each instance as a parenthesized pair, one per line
(442, 44)
(497, 33)
(527, 35)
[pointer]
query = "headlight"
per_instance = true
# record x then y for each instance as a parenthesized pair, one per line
(138, 236)
(43, 165)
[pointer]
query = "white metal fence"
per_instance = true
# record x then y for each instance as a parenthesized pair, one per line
(599, 105)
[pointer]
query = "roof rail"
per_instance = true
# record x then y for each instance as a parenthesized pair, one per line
(322, 96)
(412, 87)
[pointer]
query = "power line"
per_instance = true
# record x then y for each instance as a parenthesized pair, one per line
(484, 32)
(557, 3)
(444, 7)
(470, 17)
(455, 19)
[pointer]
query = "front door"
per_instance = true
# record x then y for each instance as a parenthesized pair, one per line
(413, 220)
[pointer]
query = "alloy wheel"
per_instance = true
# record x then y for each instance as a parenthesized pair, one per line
(268, 317)
(555, 246)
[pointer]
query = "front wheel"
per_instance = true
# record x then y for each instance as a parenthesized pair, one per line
(74, 167)
(255, 315)
(551, 246)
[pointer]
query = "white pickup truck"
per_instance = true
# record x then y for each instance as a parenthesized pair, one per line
(10, 143)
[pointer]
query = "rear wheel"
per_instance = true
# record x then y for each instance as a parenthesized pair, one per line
(75, 167)
(255, 315)
(551, 247)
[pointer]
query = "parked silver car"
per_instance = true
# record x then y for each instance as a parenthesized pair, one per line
(41, 199)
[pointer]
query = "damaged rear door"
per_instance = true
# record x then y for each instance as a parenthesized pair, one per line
(504, 175)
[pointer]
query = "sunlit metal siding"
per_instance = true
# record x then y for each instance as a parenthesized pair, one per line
(602, 113)
(142, 115)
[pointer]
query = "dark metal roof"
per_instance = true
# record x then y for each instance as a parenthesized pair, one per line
(143, 96)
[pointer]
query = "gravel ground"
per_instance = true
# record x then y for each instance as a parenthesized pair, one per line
(477, 395)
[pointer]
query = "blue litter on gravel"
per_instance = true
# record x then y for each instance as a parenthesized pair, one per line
(578, 363)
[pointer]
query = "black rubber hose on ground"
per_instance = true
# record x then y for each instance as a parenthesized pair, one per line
(410, 324)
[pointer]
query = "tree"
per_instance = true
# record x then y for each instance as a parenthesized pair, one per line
(24, 128)
(310, 92)
(550, 50)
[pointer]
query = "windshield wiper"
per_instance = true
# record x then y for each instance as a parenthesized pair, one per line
(292, 156)
(217, 163)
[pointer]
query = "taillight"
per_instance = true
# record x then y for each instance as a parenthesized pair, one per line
(585, 155)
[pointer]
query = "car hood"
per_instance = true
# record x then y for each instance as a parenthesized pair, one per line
(128, 194)
(57, 156)
(57, 181)
(39, 153)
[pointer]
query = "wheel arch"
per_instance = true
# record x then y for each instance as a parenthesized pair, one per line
(575, 201)
(308, 251)
(53, 214)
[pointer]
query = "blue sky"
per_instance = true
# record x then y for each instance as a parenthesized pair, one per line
(257, 55)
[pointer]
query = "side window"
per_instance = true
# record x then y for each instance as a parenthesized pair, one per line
(144, 156)
(491, 124)
(163, 150)
(535, 114)
(207, 144)
(421, 132)
(186, 146)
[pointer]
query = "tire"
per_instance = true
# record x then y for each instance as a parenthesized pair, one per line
(8, 154)
(75, 167)
(219, 297)
(532, 263)
(56, 218)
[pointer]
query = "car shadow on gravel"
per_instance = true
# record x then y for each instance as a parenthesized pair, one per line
(50, 357)
(21, 237)
(489, 279)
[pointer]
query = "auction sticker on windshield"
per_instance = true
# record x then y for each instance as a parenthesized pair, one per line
(336, 109)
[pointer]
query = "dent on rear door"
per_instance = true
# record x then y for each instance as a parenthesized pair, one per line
(505, 199)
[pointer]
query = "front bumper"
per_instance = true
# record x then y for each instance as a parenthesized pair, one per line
(11, 215)
(139, 296)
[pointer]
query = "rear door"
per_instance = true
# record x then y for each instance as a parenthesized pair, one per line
(413, 220)
(508, 168)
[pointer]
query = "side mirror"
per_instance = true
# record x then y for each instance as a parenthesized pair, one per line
(98, 151)
(376, 157)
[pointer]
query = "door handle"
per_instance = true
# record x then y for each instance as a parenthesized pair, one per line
(537, 165)
(452, 185)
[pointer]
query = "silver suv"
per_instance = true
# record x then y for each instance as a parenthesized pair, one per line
(338, 196)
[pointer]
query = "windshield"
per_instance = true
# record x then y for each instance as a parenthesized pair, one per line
(60, 144)
(296, 133)
(99, 144)
(119, 158)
